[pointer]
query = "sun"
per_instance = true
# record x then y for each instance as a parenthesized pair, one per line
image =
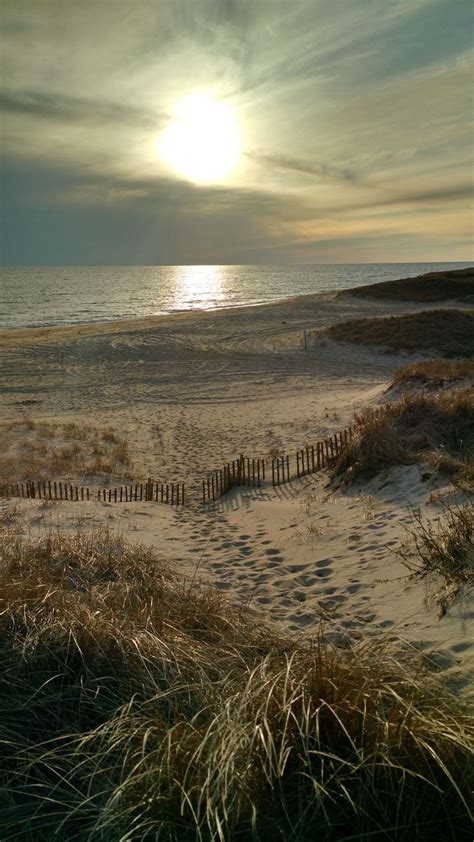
(203, 142)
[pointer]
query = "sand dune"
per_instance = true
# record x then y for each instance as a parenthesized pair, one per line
(432, 286)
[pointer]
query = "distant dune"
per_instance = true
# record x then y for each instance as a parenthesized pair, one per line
(447, 332)
(434, 286)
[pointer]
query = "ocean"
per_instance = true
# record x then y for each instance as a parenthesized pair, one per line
(42, 296)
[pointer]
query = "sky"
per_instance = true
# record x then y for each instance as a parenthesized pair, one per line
(353, 121)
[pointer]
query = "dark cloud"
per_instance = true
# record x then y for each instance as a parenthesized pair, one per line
(47, 106)
(450, 193)
(102, 219)
(321, 171)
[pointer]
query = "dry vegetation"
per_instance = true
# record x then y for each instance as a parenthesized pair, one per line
(434, 374)
(42, 450)
(444, 549)
(433, 286)
(133, 707)
(448, 332)
(438, 429)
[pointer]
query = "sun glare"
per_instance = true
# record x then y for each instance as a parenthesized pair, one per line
(203, 141)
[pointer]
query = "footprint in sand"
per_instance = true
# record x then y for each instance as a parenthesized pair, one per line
(354, 588)
(461, 647)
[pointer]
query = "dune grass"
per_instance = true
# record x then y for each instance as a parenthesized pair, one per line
(433, 374)
(448, 332)
(43, 450)
(433, 286)
(434, 428)
(444, 549)
(134, 706)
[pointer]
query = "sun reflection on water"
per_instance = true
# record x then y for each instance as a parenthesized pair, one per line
(198, 287)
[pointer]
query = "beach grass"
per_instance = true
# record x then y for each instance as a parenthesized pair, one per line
(434, 373)
(443, 550)
(138, 706)
(437, 429)
(37, 450)
(447, 332)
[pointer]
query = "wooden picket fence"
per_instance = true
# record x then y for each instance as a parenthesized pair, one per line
(241, 471)
(316, 457)
(281, 470)
(251, 472)
(168, 493)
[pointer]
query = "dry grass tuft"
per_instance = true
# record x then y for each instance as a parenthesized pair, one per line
(448, 332)
(433, 374)
(133, 706)
(37, 450)
(10, 515)
(435, 428)
(444, 549)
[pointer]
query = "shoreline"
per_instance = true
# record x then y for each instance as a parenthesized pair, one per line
(155, 318)
(347, 290)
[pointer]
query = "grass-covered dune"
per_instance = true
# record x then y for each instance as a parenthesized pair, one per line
(437, 429)
(434, 373)
(433, 286)
(136, 707)
(447, 332)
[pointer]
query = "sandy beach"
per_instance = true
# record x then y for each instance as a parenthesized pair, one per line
(192, 391)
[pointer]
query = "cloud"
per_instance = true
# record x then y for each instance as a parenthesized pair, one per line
(350, 113)
(48, 106)
(320, 171)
